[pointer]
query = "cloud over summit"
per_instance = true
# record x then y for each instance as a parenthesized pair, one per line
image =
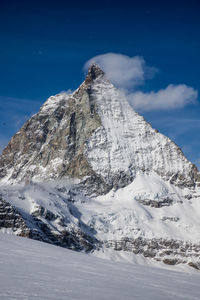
(127, 73)
(122, 70)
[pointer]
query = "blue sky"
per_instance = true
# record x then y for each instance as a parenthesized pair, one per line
(44, 46)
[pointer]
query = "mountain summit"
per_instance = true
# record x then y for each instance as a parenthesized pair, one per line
(94, 72)
(88, 172)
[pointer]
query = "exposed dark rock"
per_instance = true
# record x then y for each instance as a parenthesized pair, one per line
(172, 219)
(43, 212)
(170, 261)
(168, 251)
(38, 228)
(189, 196)
(94, 72)
(74, 239)
(156, 203)
(194, 265)
(10, 218)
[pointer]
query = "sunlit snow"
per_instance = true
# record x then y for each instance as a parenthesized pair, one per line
(32, 270)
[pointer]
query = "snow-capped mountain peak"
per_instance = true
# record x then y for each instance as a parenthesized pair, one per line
(92, 133)
(94, 72)
(110, 178)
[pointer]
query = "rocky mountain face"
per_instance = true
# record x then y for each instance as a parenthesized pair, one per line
(88, 172)
(92, 133)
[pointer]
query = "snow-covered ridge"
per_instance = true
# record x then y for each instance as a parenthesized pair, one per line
(53, 103)
(127, 143)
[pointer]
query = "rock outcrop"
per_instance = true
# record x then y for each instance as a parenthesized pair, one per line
(170, 252)
(11, 221)
(38, 226)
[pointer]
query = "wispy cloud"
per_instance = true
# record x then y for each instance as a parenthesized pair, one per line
(128, 73)
(68, 92)
(18, 103)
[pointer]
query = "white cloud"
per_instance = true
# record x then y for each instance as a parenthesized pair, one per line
(122, 70)
(129, 72)
(172, 97)
(68, 92)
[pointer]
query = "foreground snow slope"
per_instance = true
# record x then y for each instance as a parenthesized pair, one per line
(34, 270)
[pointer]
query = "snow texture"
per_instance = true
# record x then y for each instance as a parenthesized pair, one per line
(34, 270)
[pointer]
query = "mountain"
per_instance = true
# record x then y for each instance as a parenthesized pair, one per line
(88, 173)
